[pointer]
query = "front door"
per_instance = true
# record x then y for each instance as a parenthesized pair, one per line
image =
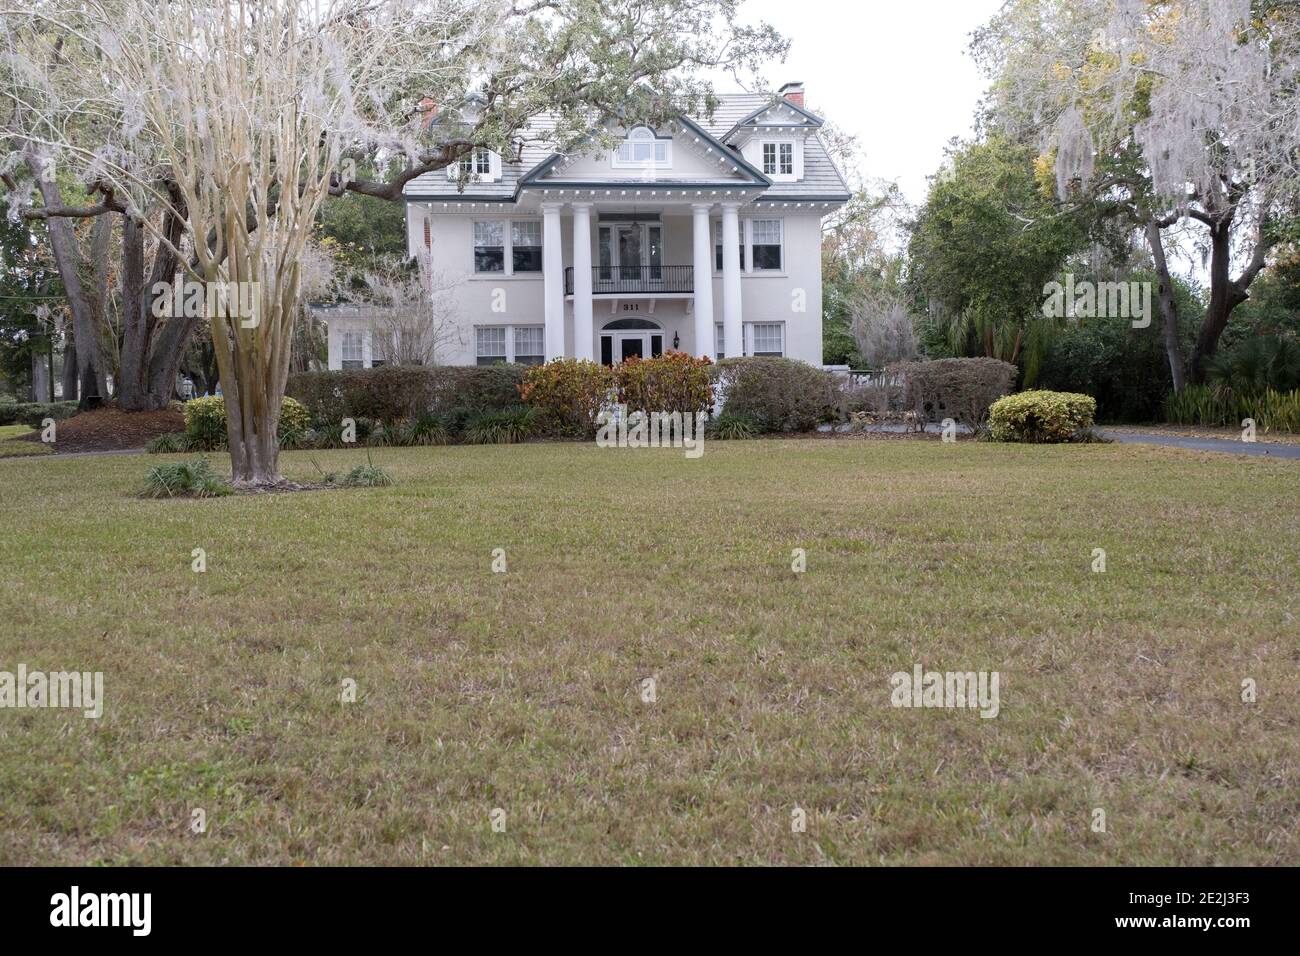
(631, 344)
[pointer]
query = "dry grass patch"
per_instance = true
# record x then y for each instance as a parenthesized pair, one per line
(522, 690)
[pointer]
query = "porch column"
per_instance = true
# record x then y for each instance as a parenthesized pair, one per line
(732, 329)
(703, 279)
(583, 346)
(552, 280)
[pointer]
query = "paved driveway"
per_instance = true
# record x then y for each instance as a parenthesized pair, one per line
(1271, 450)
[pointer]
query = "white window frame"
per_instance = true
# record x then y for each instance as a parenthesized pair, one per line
(346, 337)
(778, 147)
(661, 152)
(508, 246)
(478, 343)
(476, 160)
(514, 341)
(751, 338)
(510, 344)
(747, 339)
(749, 245)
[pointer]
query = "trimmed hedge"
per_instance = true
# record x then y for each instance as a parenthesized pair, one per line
(778, 394)
(33, 413)
(567, 394)
(391, 394)
(1041, 417)
(962, 389)
(672, 382)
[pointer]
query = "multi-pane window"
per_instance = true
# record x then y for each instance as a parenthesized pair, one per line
(717, 245)
(530, 347)
(769, 338)
(508, 246)
(353, 356)
(490, 344)
(526, 245)
(525, 344)
(478, 162)
(764, 338)
(766, 242)
(489, 246)
(641, 148)
(778, 159)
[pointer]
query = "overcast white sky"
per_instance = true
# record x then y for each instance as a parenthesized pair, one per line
(893, 72)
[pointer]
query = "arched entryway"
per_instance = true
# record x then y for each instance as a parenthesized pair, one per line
(625, 338)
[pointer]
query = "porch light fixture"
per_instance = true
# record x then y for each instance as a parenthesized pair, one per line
(676, 341)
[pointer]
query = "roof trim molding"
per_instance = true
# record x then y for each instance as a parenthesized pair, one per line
(811, 119)
(530, 180)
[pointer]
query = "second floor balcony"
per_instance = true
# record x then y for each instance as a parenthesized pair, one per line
(636, 280)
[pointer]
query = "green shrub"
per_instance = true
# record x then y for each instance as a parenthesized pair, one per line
(170, 443)
(1208, 406)
(672, 382)
(567, 394)
(332, 434)
(1258, 364)
(1215, 406)
(506, 427)
(729, 426)
(393, 394)
(962, 389)
(1272, 411)
(778, 394)
(367, 476)
(427, 429)
(184, 480)
(1041, 416)
(33, 414)
(205, 422)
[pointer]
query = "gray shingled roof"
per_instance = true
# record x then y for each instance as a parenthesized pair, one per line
(821, 179)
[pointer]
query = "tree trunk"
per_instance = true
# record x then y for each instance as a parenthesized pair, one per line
(136, 319)
(86, 309)
(153, 352)
(69, 375)
(1168, 307)
(1225, 295)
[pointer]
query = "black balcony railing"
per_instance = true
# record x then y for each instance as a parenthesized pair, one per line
(622, 280)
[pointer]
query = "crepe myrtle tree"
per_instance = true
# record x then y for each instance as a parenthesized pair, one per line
(1182, 117)
(238, 120)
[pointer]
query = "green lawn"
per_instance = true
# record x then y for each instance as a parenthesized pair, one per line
(1119, 691)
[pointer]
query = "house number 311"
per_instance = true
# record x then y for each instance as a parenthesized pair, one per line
(631, 307)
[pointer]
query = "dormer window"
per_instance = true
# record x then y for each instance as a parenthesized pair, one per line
(478, 165)
(778, 159)
(643, 150)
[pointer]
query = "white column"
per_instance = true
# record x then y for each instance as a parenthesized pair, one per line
(583, 332)
(553, 280)
(703, 279)
(732, 327)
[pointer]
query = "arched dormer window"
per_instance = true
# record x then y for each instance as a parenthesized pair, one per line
(643, 149)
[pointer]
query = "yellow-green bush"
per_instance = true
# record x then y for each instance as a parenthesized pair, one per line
(205, 420)
(1042, 416)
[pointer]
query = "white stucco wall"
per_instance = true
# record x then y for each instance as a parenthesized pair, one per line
(791, 296)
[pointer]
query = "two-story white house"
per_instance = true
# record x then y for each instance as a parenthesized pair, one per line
(703, 236)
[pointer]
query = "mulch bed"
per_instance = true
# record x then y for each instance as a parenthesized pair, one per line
(111, 429)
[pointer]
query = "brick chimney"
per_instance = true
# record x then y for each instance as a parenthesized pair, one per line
(793, 92)
(428, 112)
